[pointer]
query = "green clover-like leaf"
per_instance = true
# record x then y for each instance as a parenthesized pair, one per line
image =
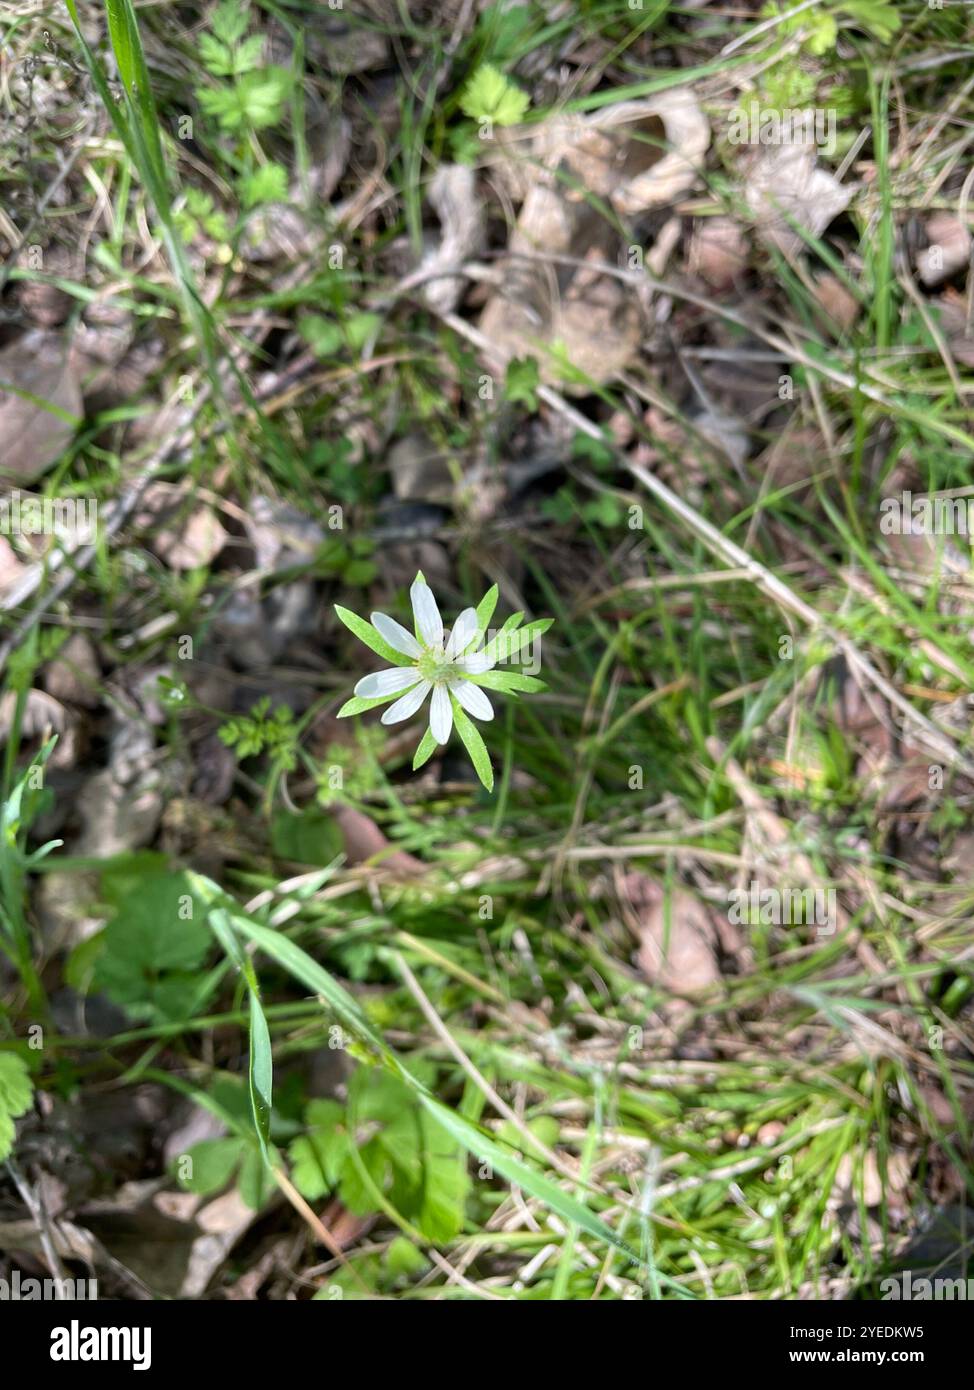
(490, 96)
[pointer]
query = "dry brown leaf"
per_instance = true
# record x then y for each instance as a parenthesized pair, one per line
(116, 818)
(795, 456)
(282, 536)
(73, 675)
(364, 841)
(101, 340)
(785, 179)
(34, 438)
(725, 432)
(43, 303)
(11, 569)
(342, 47)
(677, 938)
(453, 196)
(841, 306)
(276, 230)
(928, 556)
(960, 860)
(595, 323)
(718, 251)
(949, 250)
(188, 534)
(846, 1188)
(330, 139)
(903, 786)
(419, 470)
(954, 321)
(345, 1227)
(121, 806)
(862, 716)
(42, 715)
(637, 155)
(63, 902)
(222, 1221)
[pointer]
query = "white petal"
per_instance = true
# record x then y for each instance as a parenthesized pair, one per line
(464, 630)
(441, 714)
(384, 683)
(429, 624)
(396, 635)
(477, 662)
(473, 699)
(407, 705)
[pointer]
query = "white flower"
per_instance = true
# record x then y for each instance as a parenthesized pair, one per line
(451, 667)
(440, 662)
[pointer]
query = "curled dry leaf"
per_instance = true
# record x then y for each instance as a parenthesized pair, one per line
(927, 556)
(331, 150)
(861, 715)
(35, 369)
(222, 1221)
(345, 1227)
(637, 155)
(120, 807)
(42, 715)
(793, 459)
(725, 432)
(960, 859)
(902, 787)
(453, 197)
(784, 181)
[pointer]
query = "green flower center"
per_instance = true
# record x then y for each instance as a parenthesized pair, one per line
(433, 666)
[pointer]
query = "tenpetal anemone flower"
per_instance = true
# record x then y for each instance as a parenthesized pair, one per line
(449, 667)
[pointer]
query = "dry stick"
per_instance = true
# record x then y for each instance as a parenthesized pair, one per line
(35, 1205)
(320, 1230)
(733, 556)
(746, 38)
(930, 324)
(477, 1077)
(454, 1276)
